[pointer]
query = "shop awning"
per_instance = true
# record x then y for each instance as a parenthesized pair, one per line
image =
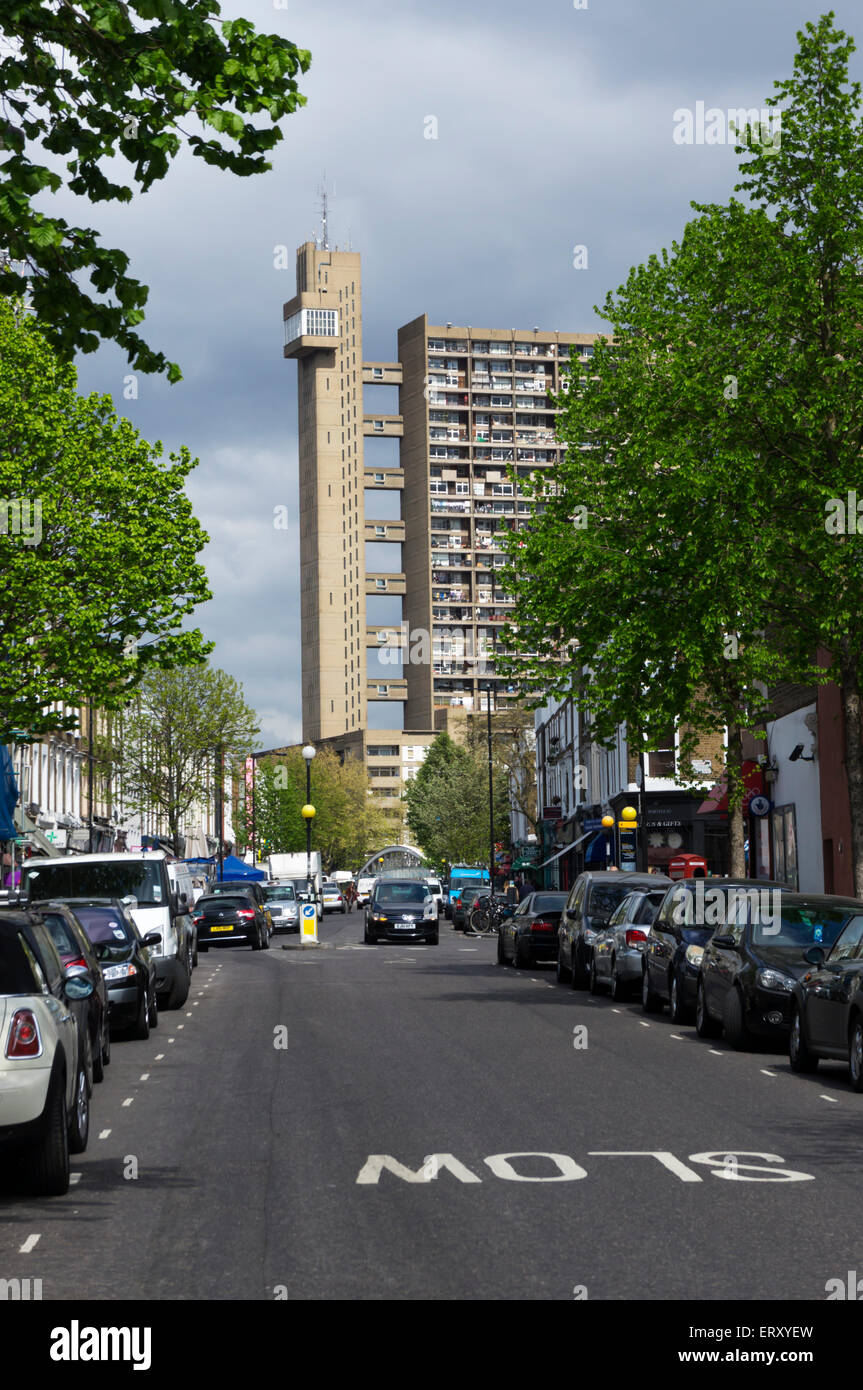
(8, 795)
(564, 850)
(717, 799)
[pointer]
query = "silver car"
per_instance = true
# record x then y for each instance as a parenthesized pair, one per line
(281, 899)
(616, 962)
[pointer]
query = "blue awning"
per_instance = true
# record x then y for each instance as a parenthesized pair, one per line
(8, 795)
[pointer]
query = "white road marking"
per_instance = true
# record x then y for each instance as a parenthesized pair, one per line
(170, 1040)
(677, 1037)
(188, 1015)
(832, 1099)
(713, 1051)
(74, 1178)
(616, 1011)
(195, 1005)
(643, 1024)
(160, 1057)
(30, 1243)
(128, 1100)
(468, 948)
(180, 1025)
(103, 1134)
(145, 1076)
(765, 1072)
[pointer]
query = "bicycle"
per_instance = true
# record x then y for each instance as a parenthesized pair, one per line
(486, 914)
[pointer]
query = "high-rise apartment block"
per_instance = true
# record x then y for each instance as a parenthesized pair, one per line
(400, 551)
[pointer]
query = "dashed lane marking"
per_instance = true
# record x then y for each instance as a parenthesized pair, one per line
(128, 1100)
(103, 1133)
(145, 1076)
(30, 1244)
(160, 1057)
(713, 1051)
(832, 1099)
(643, 1024)
(766, 1072)
(74, 1178)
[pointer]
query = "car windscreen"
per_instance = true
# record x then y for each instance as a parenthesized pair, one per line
(548, 902)
(802, 927)
(604, 898)
(104, 926)
(224, 902)
(142, 879)
(284, 893)
(61, 934)
(394, 894)
(16, 973)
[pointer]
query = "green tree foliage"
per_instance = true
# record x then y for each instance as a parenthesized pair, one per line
(98, 542)
(348, 824)
(447, 801)
(169, 738)
(717, 422)
(91, 81)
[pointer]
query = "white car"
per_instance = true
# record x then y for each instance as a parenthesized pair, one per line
(333, 898)
(364, 889)
(44, 1098)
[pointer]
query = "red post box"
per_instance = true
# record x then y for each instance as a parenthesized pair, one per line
(687, 866)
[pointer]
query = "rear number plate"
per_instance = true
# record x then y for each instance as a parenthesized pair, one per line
(221, 928)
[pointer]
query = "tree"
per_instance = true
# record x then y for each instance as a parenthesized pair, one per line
(347, 824)
(181, 725)
(98, 543)
(714, 428)
(90, 80)
(448, 802)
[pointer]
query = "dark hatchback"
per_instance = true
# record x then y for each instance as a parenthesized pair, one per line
(827, 1001)
(589, 908)
(401, 910)
(79, 958)
(232, 919)
(749, 968)
(253, 888)
(465, 901)
(530, 934)
(689, 914)
(126, 960)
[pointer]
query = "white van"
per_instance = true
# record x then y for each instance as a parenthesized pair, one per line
(143, 877)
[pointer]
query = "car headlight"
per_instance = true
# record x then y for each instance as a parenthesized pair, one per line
(774, 979)
(119, 972)
(693, 955)
(379, 919)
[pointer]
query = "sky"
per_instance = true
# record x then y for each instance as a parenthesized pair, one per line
(554, 130)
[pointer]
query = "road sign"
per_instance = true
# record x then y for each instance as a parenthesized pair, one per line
(308, 922)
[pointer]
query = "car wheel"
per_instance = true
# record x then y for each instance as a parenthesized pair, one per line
(855, 1053)
(676, 1006)
(153, 1013)
(179, 992)
(434, 940)
(801, 1059)
(705, 1026)
(650, 1000)
(734, 1022)
(563, 973)
(344, 909)
(106, 1043)
(266, 941)
(79, 1124)
(616, 987)
(47, 1163)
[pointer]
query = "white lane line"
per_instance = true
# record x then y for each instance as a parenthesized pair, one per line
(765, 1072)
(103, 1133)
(677, 1037)
(30, 1244)
(128, 1100)
(616, 1011)
(713, 1051)
(188, 1015)
(195, 1005)
(179, 1026)
(160, 1057)
(74, 1178)
(170, 1040)
(145, 1076)
(468, 948)
(832, 1099)
(643, 1024)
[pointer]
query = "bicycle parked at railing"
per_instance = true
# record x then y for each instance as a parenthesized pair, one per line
(487, 913)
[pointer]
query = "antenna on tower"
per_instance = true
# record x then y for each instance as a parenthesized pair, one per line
(324, 240)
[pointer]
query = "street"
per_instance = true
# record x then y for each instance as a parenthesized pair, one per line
(224, 1165)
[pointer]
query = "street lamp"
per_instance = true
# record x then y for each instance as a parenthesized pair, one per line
(308, 813)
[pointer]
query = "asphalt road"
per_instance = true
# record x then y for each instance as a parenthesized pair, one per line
(646, 1164)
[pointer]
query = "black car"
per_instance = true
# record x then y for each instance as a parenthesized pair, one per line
(751, 965)
(690, 912)
(401, 909)
(529, 934)
(79, 958)
(231, 919)
(460, 911)
(127, 963)
(827, 1001)
(589, 908)
(256, 889)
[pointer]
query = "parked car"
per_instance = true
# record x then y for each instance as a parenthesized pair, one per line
(463, 903)
(228, 919)
(46, 1105)
(401, 909)
(530, 933)
(617, 958)
(283, 905)
(79, 957)
(437, 893)
(592, 900)
(255, 888)
(750, 966)
(688, 916)
(458, 885)
(334, 900)
(128, 962)
(827, 1002)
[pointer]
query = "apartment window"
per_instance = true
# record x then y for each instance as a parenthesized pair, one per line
(379, 478)
(380, 530)
(379, 424)
(383, 689)
(377, 372)
(661, 763)
(380, 583)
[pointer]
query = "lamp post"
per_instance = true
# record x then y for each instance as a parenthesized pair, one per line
(308, 813)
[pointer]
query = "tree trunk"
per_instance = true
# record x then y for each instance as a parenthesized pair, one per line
(734, 779)
(851, 709)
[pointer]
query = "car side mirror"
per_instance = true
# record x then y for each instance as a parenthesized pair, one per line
(78, 987)
(815, 955)
(726, 942)
(153, 938)
(571, 914)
